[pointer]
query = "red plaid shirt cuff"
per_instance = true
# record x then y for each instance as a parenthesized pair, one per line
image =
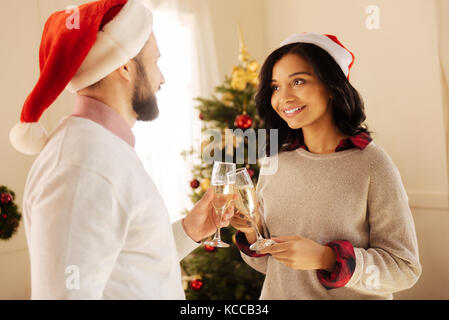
(243, 245)
(344, 265)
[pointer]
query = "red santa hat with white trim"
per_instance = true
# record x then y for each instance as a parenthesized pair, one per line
(109, 34)
(328, 42)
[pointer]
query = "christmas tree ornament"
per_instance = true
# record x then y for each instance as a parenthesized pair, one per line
(253, 66)
(238, 78)
(243, 121)
(250, 172)
(205, 184)
(233, 239)
(5, 198)
(253, 78)
(194, 184)
(209, 248)
(201, 116)
(243, 54)
(228, 99)
(252, 73)
(196, 284)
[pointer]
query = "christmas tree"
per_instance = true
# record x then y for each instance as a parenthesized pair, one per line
(220, 273)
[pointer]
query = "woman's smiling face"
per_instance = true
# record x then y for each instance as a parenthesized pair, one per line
(298, 96)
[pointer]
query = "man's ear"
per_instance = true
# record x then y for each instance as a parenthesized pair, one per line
(125, 71)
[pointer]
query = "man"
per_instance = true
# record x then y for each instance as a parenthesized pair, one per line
(96, 225)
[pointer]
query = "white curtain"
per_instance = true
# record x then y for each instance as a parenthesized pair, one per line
(442, 14)
(188, 61)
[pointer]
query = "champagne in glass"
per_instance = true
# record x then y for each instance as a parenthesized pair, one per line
(222, 181)
(246, 200)
(246, 204)
(222, 196)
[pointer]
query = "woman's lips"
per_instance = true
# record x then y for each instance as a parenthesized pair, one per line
(293, 111)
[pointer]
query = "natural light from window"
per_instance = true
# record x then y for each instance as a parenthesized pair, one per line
(160, 142)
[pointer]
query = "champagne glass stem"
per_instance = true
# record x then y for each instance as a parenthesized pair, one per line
(256, 229)
(217, 235)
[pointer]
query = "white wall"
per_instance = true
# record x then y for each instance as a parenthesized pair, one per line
(20, 51)
(17, 77)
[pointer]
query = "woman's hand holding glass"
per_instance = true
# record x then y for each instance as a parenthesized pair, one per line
(244, 224)
(247, 207)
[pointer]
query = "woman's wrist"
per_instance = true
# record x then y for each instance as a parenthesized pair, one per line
(251, 236)
(328, 259)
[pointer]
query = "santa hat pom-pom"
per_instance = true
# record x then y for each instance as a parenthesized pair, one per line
(28, 137)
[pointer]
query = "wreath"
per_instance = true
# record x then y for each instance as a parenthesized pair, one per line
(9, 214)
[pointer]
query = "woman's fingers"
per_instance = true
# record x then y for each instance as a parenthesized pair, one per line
(240, 221)
(276, 249)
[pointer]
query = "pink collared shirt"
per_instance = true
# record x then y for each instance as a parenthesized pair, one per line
(95, 110)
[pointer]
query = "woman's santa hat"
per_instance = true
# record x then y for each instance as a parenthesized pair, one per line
(330, 43)
(110, 33)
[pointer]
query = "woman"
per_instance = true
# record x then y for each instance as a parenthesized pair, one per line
(336, 205)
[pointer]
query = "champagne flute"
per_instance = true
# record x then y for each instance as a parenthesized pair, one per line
(246, 204)
(222, 181)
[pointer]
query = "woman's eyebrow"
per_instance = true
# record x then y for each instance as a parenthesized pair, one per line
(294, 74)
(300, 72)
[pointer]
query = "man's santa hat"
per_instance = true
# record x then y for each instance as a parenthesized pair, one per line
(110, 33)
(328, 42)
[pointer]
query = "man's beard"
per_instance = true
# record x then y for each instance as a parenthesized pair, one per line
(144, 100)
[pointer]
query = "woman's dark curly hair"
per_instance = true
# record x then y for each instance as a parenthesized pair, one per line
(347, 105)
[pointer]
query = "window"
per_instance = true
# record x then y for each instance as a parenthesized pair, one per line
(160, 142)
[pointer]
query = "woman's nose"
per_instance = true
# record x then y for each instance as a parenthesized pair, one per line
(286, 96)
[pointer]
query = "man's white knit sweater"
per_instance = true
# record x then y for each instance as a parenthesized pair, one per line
(354, 195)
(96, 225)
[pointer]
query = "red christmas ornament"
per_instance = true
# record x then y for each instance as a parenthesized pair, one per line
(4, 216)
(194, 183)
(201, 116)
(209, 248)
(243, 121)
(196, 284)
(250, 172)
(5, 198)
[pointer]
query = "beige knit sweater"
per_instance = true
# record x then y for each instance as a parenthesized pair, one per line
(354, 195)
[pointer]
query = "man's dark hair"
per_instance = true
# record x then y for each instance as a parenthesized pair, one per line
(136, 59)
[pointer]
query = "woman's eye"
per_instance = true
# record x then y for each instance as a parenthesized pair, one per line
(274, 88)
(298, 82)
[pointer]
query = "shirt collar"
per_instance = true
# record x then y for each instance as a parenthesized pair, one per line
(359, 141)
(97, 111)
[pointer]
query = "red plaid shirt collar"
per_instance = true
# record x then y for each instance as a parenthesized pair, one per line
(360, 141)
